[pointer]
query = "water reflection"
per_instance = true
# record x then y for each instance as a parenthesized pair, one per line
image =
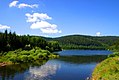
(83, 59)
(78, 65)
(42, 73)
(12, 72)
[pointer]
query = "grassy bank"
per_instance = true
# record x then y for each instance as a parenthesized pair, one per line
(25, 56)
(107, 69)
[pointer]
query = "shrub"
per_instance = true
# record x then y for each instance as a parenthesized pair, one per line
(38, 51)
(13, 59)
(114, 54)
(44, 51)
(40, 56)
(30, 58)
(19, 56)
(32, 51)
(25, 52)
(24, 58)
(35, 58)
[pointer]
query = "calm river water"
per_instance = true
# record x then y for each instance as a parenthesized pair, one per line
(72, 65)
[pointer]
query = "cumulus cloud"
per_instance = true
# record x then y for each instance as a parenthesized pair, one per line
(22, 5)
(4, 27)
(37, 17)
(98, 34)
(38, 21)
(45, 27)
(13, 4)
(43, 24)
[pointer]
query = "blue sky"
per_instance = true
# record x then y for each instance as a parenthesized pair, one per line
(60, 17)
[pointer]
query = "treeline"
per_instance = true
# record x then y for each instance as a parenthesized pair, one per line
(83, 47)
(11, 41)
(85, 42)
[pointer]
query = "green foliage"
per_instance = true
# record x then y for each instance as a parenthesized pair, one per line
(53, 46)
(115, 46)
(23, 56)
(114, 54)
(13, 59)
(25, 52)
(107, 70)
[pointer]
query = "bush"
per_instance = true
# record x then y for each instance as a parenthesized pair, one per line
(13, 59)
(30, 58)
(35, 58)
(40, 55)
(32, 51)
(19, 56)
(24, 58)
(114, 54)
(25, 52)
(38, 51)
(44, 51)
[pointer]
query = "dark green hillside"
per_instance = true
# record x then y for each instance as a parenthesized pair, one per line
(85, 42)
(108, 40)
(11, 41)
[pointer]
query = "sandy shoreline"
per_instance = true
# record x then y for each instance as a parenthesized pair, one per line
(4, 64)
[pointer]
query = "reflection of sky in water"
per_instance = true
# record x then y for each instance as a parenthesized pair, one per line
(42, 73)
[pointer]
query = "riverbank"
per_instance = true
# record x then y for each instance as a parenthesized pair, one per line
(25, 56)
(107, 69)
(4, 64)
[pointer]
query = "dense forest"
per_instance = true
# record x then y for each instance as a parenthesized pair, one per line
(10, 41)
(85, 42)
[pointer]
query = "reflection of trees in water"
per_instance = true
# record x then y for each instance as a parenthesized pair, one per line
(43, 72)
(83, 59)
(8, 72)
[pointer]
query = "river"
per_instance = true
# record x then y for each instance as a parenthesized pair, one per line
(72, 65)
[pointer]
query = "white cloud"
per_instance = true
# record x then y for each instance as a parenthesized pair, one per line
(50, 30)
(45, 27)
(13, 4)
(22, 5)
(43, 24)
(38, 21)
(98, 34)
(4, 27)
(43, 72)
(37, 17)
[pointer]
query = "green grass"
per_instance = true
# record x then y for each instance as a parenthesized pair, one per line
(107, 69)
(23, 56)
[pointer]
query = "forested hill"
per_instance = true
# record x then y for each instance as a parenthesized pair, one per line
(11, 41)
(85, 42)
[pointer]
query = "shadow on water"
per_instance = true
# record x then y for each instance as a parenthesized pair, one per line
(10, 71)
(83, 59)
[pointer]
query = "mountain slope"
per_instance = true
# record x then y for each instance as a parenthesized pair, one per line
(85, 42)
